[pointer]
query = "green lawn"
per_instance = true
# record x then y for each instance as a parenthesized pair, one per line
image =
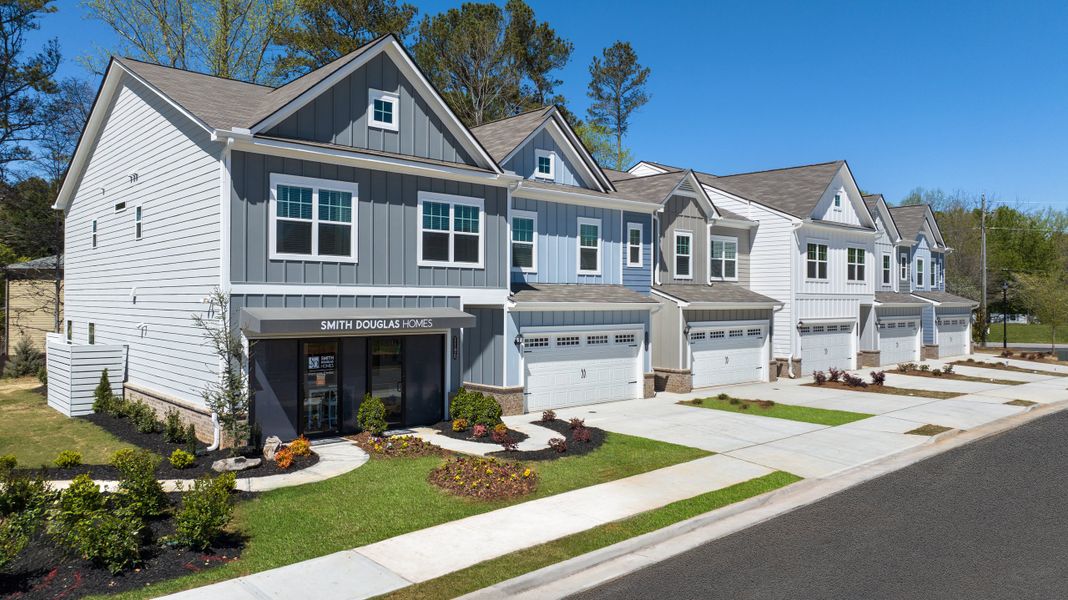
(517, 563)
(386, 498)
(819, 416)
(36, 434)
(1026, 333)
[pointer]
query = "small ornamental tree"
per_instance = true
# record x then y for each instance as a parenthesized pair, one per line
(228, 396)
(102, 397)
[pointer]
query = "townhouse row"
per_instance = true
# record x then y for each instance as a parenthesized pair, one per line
(369, 242)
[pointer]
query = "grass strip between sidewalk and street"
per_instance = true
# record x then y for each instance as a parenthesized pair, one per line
(515, 564)
(888, 389)
(766, 408)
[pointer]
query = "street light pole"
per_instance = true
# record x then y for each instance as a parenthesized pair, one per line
(1004, 315)
(982, 259)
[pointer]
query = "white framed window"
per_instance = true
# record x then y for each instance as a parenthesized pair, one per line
(544, 164)
(838, 201)
(919, 272)
(383, 109)
(92, 333)
(313, 219)
(856, 262)
(941, 278)
(888, 269)
(723, 258)
(450, 231)
(934, 277)
(816, 261)
(524, 241)
(137, 222)
(634, 245)
(683, 255)
(120, 206)
(589, 246)
(94, 233)
(903, 264)
(70, 331)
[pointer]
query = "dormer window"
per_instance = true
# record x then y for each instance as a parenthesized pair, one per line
(838, 201)
(544, 164)
(383, 110)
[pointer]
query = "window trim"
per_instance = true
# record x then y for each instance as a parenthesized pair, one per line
(452, 200)
(919, 272)
(887, 269)
(391, 97)
(863, 264)
(641, 243)
(333, 185)
(70, 331)
(551, 175)
(139, 228)
(837, 201)
(724, 239)
(93, 235)
(578, 245)
(519, 214)
(91, 334)
(904, 267)
(827, 261)
(675, 254)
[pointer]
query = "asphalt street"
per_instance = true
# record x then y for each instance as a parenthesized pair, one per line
(986, 520)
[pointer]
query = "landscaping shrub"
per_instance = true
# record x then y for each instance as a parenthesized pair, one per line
(21, 495)
(936, 373)
(68, 459)
(79, 500)
(558, 444)
(580, 435)
(173, 429)
(853, 380)
(732, 401)
(13, 539)
(906, 367)
(139, 491)
(878, 378)
(8, 462)
(1006, 354)
(180, 459)
(111, 539)
(479, 431)
(548, 415)
(284, 458)
(372, 415)
(483, 478)
(947, 369)
(42, 375)
(500, 428)
(103, 399)
(397, 446)
(476, 408)
(459, 425)
(205, 511)
(576, 423)
(191, 439)
(819, 377)
(924, 367)
(145, 419)
(499, 436)
(834, 374)
(26, 360)
(723, 396)
(300, 446)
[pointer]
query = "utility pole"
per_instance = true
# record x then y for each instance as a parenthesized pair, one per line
(982, 260)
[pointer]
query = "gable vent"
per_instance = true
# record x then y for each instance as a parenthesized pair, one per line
(685, 186)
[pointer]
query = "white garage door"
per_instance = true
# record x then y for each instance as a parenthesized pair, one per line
(899, 341)
(952, 336)
(726, 354)
(574, 368)
(826, 346)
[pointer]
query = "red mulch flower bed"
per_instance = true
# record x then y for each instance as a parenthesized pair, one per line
(398, 446)
(484, 478)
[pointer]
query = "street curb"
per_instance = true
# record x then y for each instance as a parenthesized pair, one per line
(601, 566)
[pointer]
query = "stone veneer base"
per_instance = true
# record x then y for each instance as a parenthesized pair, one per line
(929, 352)
(510, 398)
(649, 389)
(199, 416)
(679, 381)
(868, 358)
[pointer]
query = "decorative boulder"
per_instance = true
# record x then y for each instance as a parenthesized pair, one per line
(272, 445)
(238, 463)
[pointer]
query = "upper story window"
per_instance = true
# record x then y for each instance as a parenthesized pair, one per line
(683, 255)
(838, 200)
(92, 333)
(634, 244)
(723, 257)
(137, 222)
(888, 268)
(589, 246)
(383, 110)
(70, 331)
(313, 218)
(450, 230)
(942, 278)
(903, 262)
(94, 233)
(544, 164)
(816, 261)
(919, 272)
(855, 263)
(524, 237)
(934, 279)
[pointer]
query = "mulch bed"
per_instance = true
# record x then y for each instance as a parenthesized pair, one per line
(1000, 366)
(939, 374)
(484, 478)
(887, 389)
(574, 448)
(445, 429)
(928, 430)
(404, 446)
(125, 431)
(44, 571)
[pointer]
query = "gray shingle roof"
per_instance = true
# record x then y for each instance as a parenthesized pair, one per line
(577, 292)
(897, 298)
(909, 219)
(872, 201)
(408, 157)
(614, 175)
(795, 190)
(944, 298)
(561, 187)
(716, 293)
(500, 137)
(45, 262)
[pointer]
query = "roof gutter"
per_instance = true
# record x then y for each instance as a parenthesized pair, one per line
(578, 197)
(521, 306)
(837, 227)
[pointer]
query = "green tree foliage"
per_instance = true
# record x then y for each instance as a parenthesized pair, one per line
(228, 397)
(325, 30)
(28, 225)
(490, 62)
(600, 143)
(617, 88)
(1046, 297)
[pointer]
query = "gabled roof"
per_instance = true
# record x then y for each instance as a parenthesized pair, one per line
(909, 219)
(875, 203)
(615, 175)
(660, 188)
(655, 165)
(715, 293)
(795, 191)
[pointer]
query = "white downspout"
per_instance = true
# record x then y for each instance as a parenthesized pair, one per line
(216, 432)
(793, 298)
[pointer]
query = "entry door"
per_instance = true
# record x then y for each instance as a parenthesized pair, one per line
(387, 376)
(319, 411)
(727, 355)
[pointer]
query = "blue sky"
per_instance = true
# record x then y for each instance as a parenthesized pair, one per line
(953, 95)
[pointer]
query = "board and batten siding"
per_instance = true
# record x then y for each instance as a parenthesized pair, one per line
(682, 213)
(143, 293)
(638, 279)
(483, 346)
(387, 224)
(557, 242)
(921, 251)
(339, 116)
(847, 213)
(564, 172)
(74, 371)
(884, 246)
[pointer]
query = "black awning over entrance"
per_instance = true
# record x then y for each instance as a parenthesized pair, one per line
(267, 322)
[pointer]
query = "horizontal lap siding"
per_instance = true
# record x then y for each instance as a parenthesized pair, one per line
(387, 224)
(558, 242)
(74, 371)
(172, 268)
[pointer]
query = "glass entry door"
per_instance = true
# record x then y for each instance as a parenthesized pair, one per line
(320, 407)
(387, 376)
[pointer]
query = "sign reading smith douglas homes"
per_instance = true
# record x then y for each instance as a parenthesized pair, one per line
(261, 322)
